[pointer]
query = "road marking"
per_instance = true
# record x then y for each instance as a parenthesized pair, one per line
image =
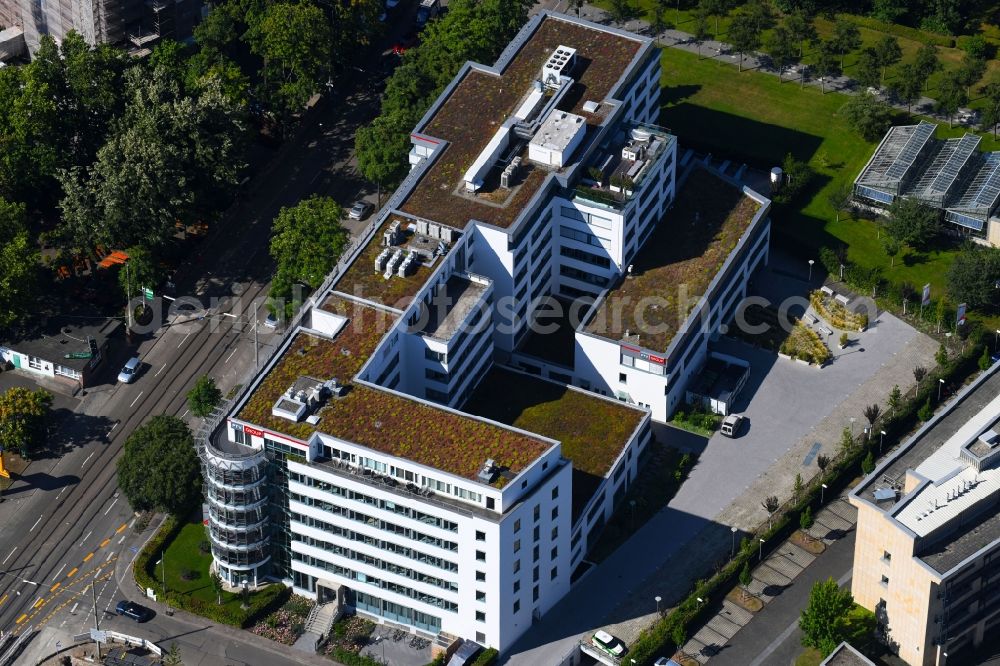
(184, 340)
(71, 572)
(3, 599)
(120, 540)
(36, 524)
(111, 554)
(160, 370)
(54, 587)
(185, 413)
(121, 528)
(87, 459)
(87, 537)
(113, 427)
(89, 555)
(60, 571)
(318, 174)
(136, 399)
(61, 492)
(21, 619)
(233, 353)
(109, 508)
(72, 611)
(104, 543)
(9, 556)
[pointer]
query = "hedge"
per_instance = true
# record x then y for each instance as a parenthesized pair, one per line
(671, 631)
(348, 658)
(261, 604)
(903, 31)
(487, 657)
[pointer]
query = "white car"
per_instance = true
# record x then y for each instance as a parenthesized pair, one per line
(604, 641)
(131, 369)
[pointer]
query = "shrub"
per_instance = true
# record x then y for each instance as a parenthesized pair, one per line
(926, 411)
(204, 547)
(487, 657)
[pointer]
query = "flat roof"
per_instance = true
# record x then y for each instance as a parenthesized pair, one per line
(558, 129)
(51, 338)
(846, 655)
(945, 554)
(593, 430)
(363, 281)
(688, 247)
(482, 101)
(378, 419)
(450, 306)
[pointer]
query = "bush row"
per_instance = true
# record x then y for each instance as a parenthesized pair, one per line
(903, 31)
(261, 603)
(671, 631)
(487, 657)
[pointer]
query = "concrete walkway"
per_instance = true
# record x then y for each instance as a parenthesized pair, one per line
(718, 50)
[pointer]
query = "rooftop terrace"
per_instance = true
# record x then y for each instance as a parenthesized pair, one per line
(481, 102)
(362, 280)
(593, 430)
(381, 420)
(688, 248)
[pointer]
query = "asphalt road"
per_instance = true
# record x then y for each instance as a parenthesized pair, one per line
(62, 530)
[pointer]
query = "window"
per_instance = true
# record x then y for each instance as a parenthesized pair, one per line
(534, 554)
(481, 576)
(554, 573)
(886, 556)
(623, 378)
(480, 616)
(481, 638)
(534, 575)
(885, 580)
(490, 504)
(555, 533)
(480, 596)
(536, 533)
(555, 553)
(517, 586)
(480, 556)
(517, 545)
(517, 606)
(517, 526)
(534, 593)
(517, 565)
(555, 492)
(555, 512)
(480, 536)
(538, 512)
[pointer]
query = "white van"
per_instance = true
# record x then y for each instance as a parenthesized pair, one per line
(731, 425)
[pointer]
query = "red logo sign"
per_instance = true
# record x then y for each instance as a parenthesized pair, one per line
(657, 359)
(253, 431)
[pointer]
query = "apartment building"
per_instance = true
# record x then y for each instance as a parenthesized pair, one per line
(396, 455)
(928, 535)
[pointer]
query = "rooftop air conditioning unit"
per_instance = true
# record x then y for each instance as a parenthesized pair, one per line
(558, 65)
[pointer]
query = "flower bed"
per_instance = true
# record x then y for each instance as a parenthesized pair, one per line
(805, 344)
(349, 634)
(286, 624)
(836, 314)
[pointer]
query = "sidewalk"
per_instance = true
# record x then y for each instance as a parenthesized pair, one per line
(723, 52)
(782, 581)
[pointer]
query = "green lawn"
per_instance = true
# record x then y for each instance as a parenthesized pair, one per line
(750, 117)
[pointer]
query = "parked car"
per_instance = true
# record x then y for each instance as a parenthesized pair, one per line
(129, 372)
(427, 10)
(271, 321)
(405, 43)
(731, 425)
(134, 611)
(664, 661)
(605, 642)
(360, 210)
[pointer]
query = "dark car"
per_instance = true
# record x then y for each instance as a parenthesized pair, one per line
(134, 611)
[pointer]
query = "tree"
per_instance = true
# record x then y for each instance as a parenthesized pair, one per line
(846, 38)
(984, 361)
(840, 199)
(822, 462)
(970, 72)
(159, 469)
(797, 487)
(952, 94)
(22, 419)
(891, 246)
(294, 39)
(991, 110)
(919, 373)
(941, 355)
(976, 47)
(869, 116)
(143, 269)
(889, 11)
(926, 411)
(308, 239)
(204, 396)
(908, 85)
(806, 519)
(173, 656)
(872, 413)
(846, 440)
(868, 72)
(715, 9)
(972, 277)
(18, 266)
(822, 621)
(700, 26)
(381, 149)
(801, 29)
(770, 504)
(622, 11)
(781, 48)
(895, 399)
(927, 62)
(827, 64)
(888, 53)
(912, 222)
(217, 586)
(744, 35)
(868, 464)
(746, 578)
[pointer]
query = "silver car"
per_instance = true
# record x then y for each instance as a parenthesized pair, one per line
(360, 210)
(131, 369)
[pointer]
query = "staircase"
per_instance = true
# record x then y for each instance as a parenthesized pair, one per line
(318, 625)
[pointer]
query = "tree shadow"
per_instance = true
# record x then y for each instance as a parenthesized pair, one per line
(40, 481)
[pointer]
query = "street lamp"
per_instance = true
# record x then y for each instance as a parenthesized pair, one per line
(852, 426)
(996, 340)
(880, 440)
(732, 550)
(700, 600)
(811, 262)
(658, 599)
(842, 272)
(940, 384)
(822, 493)
(760, 549)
